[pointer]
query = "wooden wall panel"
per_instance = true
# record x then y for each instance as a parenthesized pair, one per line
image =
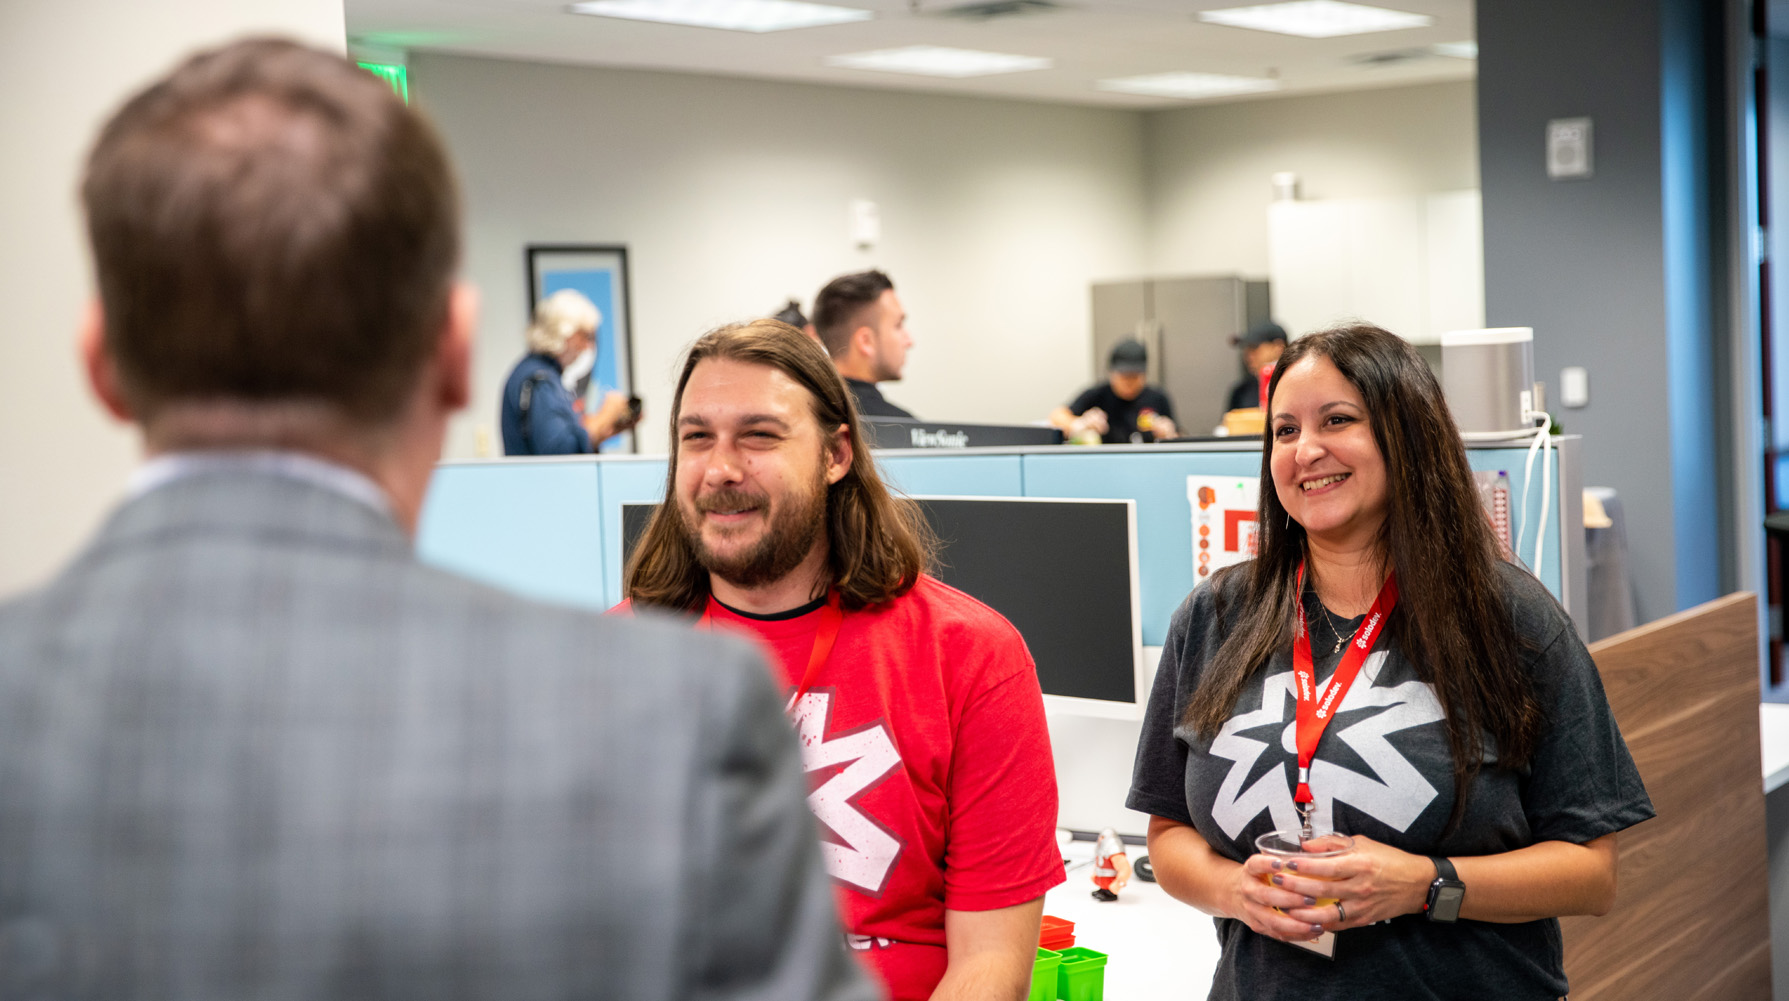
(1692, 917)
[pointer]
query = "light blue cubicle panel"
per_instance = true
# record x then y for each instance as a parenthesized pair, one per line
(529, 527)
(954, 475)
(625, 481)
(1156, 480)
(1512, 461)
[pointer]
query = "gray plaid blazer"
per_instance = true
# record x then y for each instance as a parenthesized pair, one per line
(251, 749)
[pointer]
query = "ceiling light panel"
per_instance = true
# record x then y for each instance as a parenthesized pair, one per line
(1458, 50)
(732, 15)
(1188, 85)
(934, 60)
(1316, 18)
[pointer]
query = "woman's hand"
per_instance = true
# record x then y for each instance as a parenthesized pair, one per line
(1374, 882)
(1264, 899)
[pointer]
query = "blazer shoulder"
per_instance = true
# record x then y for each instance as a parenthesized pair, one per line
(651, 645)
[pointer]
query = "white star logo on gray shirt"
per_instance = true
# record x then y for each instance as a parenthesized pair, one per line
(1396, 797)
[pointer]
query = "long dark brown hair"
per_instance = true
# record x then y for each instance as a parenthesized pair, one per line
(878, 543)
(1451, 620)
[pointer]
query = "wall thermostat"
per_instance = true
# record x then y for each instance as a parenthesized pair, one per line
(1568, 148)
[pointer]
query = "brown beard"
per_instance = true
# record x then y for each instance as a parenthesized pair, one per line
(785, 543)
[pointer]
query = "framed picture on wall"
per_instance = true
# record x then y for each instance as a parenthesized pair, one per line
(600, 272)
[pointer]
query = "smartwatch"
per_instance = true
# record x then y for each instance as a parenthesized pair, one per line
(1446, 893)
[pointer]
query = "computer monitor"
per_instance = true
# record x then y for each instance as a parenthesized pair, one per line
(1063, 572)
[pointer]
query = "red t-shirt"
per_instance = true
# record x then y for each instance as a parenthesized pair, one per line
(930, 769)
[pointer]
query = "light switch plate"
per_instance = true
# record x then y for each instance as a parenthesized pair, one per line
(1574, 387)
(866, 222)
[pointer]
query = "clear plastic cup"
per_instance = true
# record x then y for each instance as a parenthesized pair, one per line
(1292, 846)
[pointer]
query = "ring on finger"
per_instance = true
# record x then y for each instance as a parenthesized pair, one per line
(1341, 915)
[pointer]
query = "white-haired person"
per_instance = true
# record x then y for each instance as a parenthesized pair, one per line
(539, 415)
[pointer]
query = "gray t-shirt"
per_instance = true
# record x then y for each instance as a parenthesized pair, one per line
(1384, 770)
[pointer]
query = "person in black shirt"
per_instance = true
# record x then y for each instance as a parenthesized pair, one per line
(1124, 409)
(1469, 753)
(863, 326)
(1261, 345)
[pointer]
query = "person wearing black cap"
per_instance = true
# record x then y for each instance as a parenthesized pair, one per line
(1124, 409)
(1261, 345)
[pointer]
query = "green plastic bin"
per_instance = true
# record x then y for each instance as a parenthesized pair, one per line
(1043, 976)
(1081, 975)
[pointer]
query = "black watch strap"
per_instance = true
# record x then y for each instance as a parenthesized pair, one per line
(1446, 893)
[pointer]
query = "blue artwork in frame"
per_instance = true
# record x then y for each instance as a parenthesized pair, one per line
(599, 271)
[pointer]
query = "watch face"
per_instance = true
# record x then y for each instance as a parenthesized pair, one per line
(1444, 903)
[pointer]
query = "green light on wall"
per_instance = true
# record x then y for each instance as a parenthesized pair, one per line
(396, 76)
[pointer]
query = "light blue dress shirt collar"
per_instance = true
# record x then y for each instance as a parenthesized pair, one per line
(173, 466)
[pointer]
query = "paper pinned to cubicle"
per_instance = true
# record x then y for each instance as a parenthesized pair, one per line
(1223, 521)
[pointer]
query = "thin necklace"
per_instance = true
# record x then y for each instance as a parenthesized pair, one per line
(1333, 631)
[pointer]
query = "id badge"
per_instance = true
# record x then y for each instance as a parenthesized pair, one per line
(1323, 945)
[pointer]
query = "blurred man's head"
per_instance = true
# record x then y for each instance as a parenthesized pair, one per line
(1262, 345)
(863, 325)
(1128, 369)
(275, 236)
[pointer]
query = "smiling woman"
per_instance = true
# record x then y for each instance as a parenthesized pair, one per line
(1474, 761)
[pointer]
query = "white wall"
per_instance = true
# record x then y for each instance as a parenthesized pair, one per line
(63, 68)
(731, 196)
(1210, 166)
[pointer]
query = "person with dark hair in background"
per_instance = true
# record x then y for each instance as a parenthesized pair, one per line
(249, 746)
(1379, 671)
(863, 326)
(1261, 346)
(776, 523)
(1124, 409)
(539, 414)
(792, 315)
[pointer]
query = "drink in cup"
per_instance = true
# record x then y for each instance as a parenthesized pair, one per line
(1289, 846)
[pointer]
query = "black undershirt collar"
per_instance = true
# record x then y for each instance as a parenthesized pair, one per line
(793, 613)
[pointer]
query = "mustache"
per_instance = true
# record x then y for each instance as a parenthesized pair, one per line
(731, 500)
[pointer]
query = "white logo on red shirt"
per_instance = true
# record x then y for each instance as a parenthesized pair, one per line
(865, 852)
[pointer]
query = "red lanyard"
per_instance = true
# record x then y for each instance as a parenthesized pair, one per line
(1314, 716)
(825, 635)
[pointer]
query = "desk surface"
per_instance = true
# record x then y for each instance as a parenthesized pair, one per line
(1159, 948)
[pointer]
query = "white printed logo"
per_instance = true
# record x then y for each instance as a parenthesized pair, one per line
(865, 851)
(1395, 798)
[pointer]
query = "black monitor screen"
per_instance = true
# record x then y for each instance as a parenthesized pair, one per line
(1060, 571)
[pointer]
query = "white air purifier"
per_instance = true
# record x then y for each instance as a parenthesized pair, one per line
(1488, 376)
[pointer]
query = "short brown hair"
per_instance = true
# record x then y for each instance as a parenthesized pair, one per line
(270, 223)
(839, 308)
(878, 544)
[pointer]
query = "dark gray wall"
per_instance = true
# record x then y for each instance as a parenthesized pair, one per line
(1612, 271)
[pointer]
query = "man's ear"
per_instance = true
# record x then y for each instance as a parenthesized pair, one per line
(454, 354)
(96, 358)
(838, 455)
(863, 341)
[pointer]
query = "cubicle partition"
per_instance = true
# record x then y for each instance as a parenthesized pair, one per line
(551, 527)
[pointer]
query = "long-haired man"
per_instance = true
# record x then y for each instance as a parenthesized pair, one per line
(918, 708)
